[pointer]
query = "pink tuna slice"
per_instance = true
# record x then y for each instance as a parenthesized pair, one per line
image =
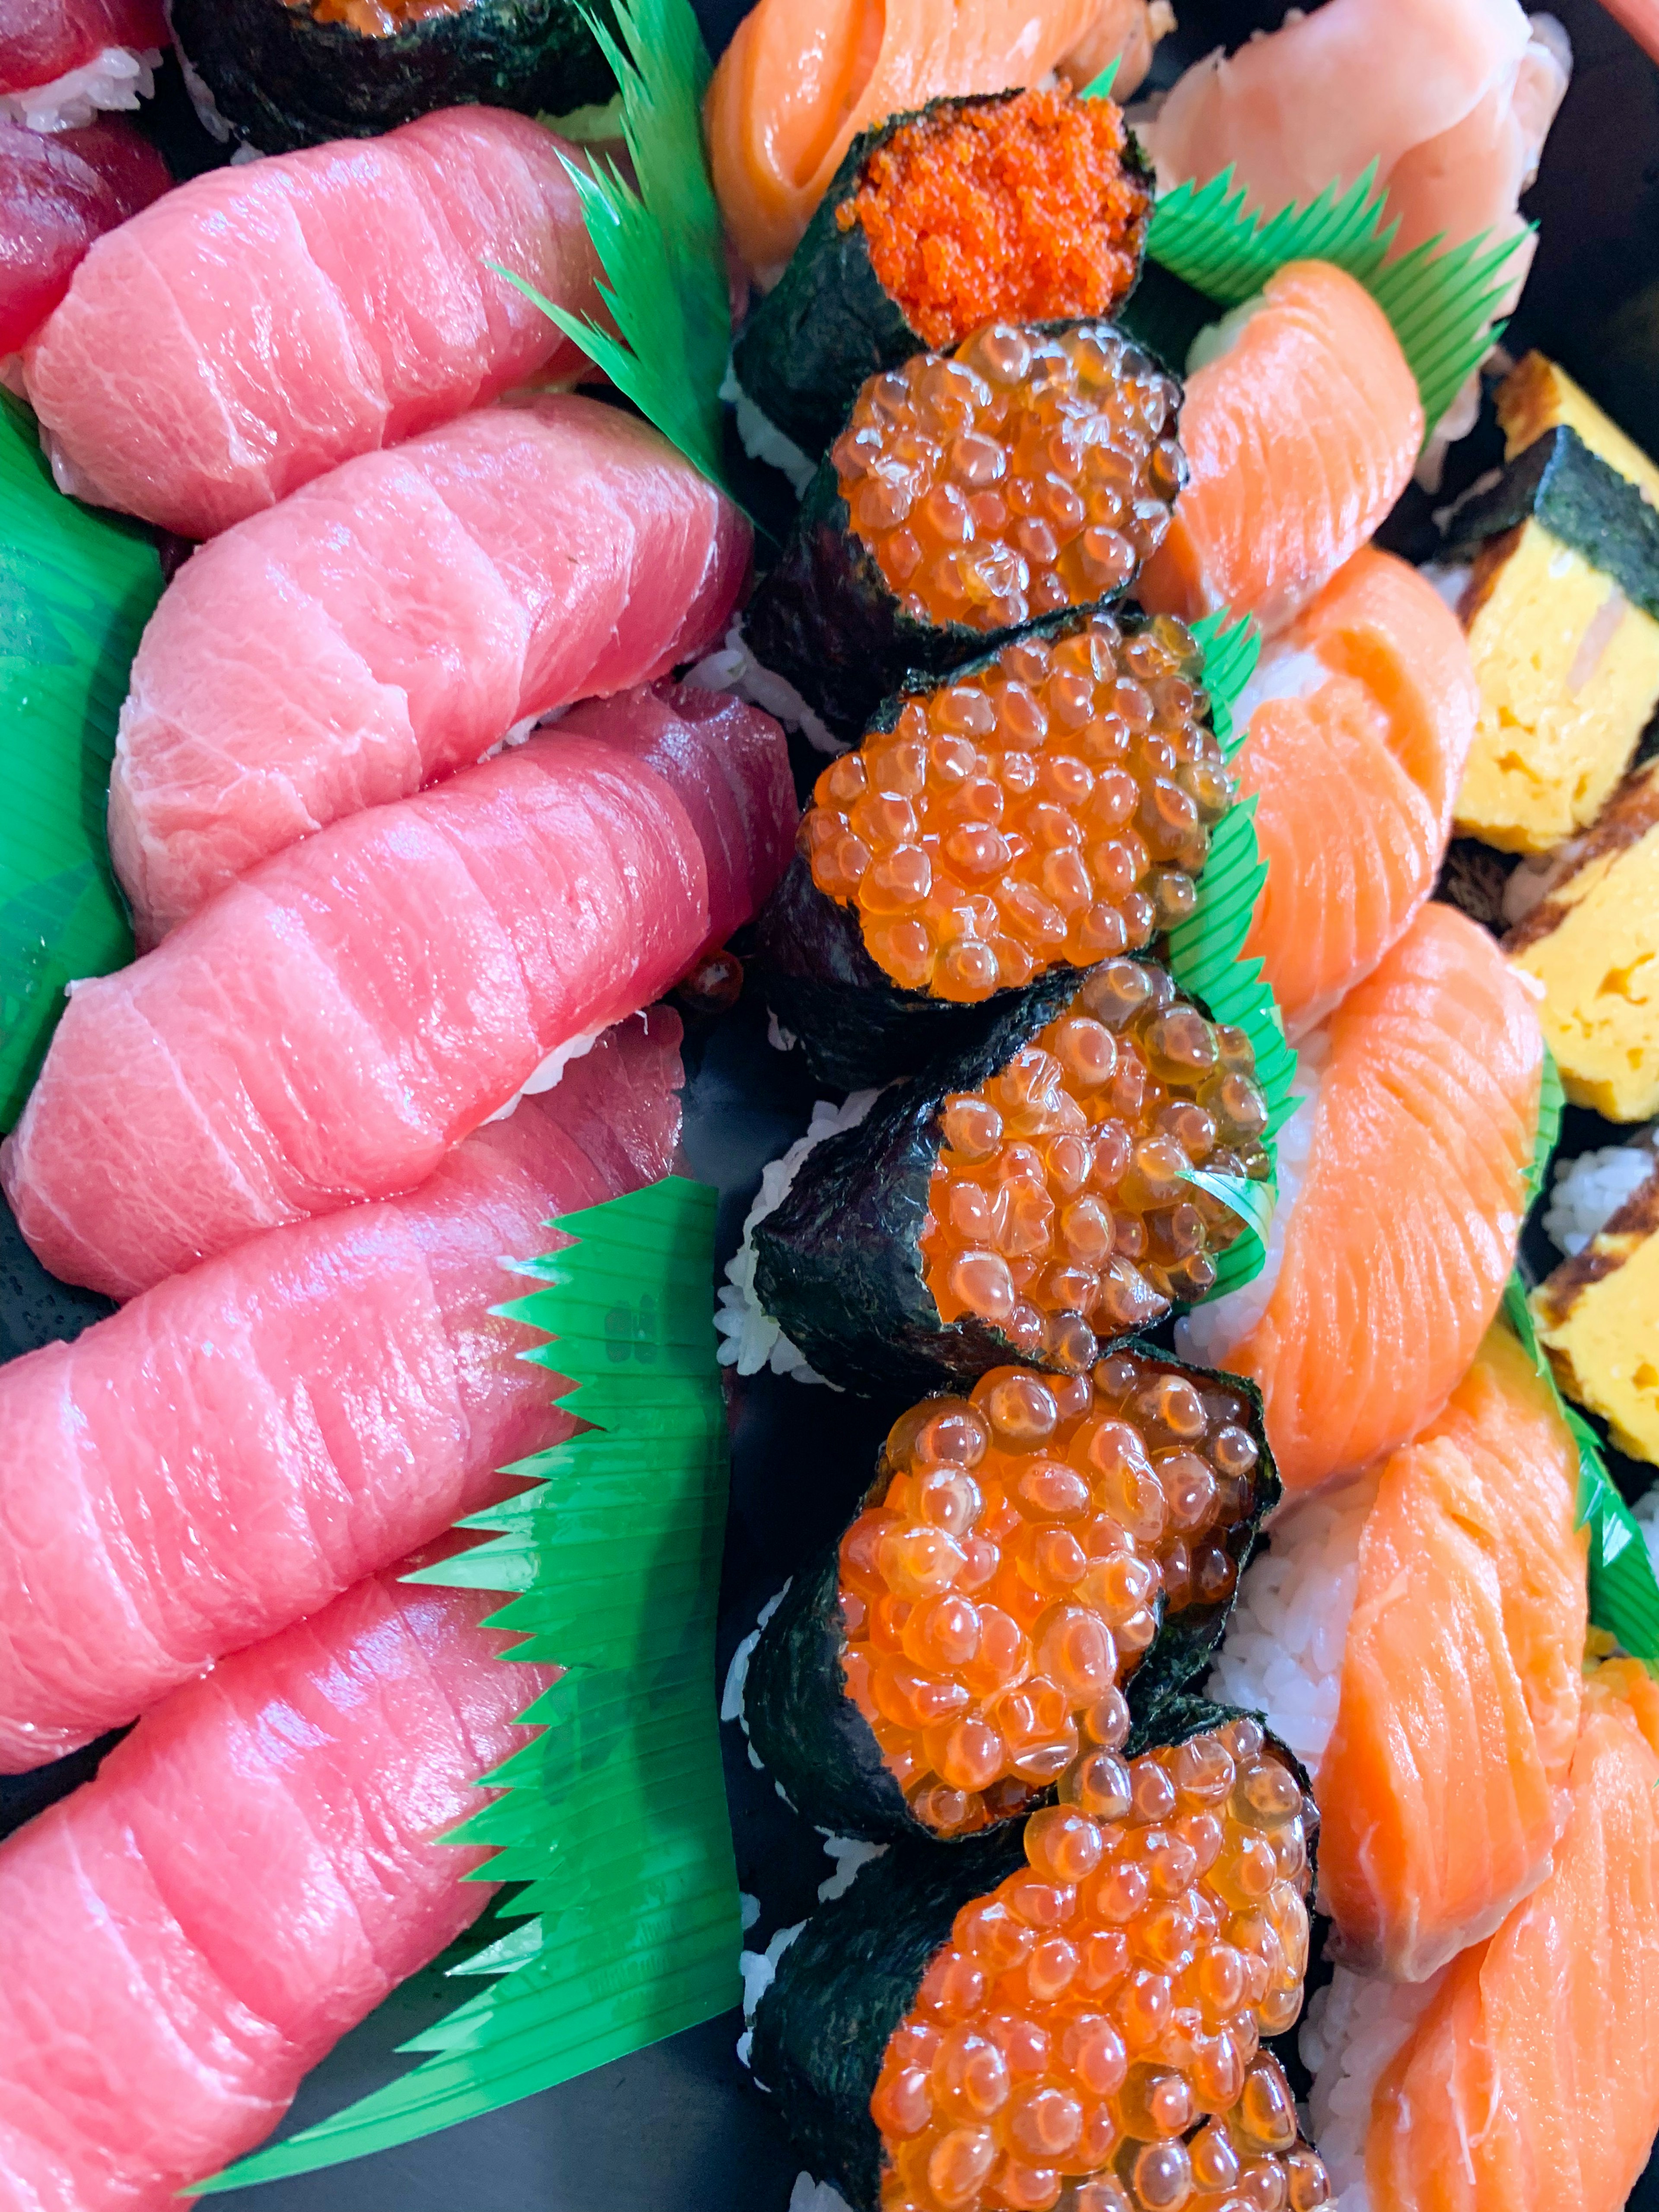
(248, 1875)
(58, 194)
(241, 1444)
(263, 323)
(393, 619)
(325, 1030)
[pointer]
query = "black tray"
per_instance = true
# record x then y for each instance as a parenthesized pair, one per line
(678, 2128)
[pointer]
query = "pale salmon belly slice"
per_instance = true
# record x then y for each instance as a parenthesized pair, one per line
(1531, 2082)
(1393, 1253)
(249, 1873)
(1299, 437)
(1355, 757)
(1442, 1790)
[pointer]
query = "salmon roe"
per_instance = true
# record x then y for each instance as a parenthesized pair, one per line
(1089, 2037)
(1007, 1581)
(1019, 209)
(377, 19)
(1055, 807)
(1020, 475)
(1059, 1210)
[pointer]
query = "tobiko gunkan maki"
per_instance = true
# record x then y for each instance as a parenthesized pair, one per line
(1025, 1555)
(1027, 1197)
(1048, 805)
(1022, 207)
(1069, 2016)
(1033, 470)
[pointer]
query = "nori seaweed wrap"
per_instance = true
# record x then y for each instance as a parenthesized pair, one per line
(1032, 471)
(1014, 206)
(283, 79)
(1027, 1197)
(1034, 1569)
(997, 2023)
(1047, 805)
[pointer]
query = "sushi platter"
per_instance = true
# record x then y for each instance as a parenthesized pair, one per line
(830, 1106)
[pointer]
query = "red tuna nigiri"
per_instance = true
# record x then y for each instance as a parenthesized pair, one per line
(391, 621)
(249, 1873)
(243, 1441)
(56, 195)
(262, 323)
(328, 1026)
(41, 40)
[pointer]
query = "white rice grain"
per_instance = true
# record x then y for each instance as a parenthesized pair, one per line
(761, 439)
(810, 2196)
(733, 667)
(849, 1854)
(1352, 2029)
(737, 1674)
(115, 78)
(759, 1970)
(1589, 1191)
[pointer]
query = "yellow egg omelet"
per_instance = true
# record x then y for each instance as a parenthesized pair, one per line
(1536, 396)
(1598, 1317)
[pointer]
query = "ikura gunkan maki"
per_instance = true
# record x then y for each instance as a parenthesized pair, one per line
(1071, 2016)
(1032, 470)
(1050, 805)
(1028, 1197)
(1018, 206)
(289, 73)
(1025, 1554)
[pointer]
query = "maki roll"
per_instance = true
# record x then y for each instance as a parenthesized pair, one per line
(1030, 1198)
(1072, 2014)
(1032, 470)
(284, 74)
(1047, 806)
(1028, 207)
(1023, 1554)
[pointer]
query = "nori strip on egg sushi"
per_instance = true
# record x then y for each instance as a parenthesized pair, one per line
(1049, 805)
(958, 2014)
(1036, 1568)
(1032, 471)
(1026, 1198)
(284, 76)
(1022, 207)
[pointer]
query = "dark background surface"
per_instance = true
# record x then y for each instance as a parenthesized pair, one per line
(677, 2128)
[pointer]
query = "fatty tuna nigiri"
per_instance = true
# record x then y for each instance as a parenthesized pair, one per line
(1299, 438)
(332, 1023)
(266, 321)
(392, 621)
(58, 194)
(1400, 1202)
(247, 1875)
(1360, 724)
(1525, 2078)
(242, 1443)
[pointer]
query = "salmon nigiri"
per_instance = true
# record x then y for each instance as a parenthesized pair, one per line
(1401, 1201)
(801, 79)
(1526, 2079)
(1364, 717)
(1299, 437)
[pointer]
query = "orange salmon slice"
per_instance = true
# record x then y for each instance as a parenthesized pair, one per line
(1356, 770)
(1442, 1789)
(1300, 437)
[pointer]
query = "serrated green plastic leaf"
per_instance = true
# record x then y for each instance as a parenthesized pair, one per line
(614, 1819)
(658, 238)
(1100, 88)
(1231, 650)
(76, 588)
(1443, 302)
(1551, 1100)
(1624, 1591)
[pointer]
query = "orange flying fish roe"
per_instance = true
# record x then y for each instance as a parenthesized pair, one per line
(377, 19)
(1053, 807)
(1023, 474)
(1059, 1209)
(1017, 209)
(1089, 2037)
(1007, 1582)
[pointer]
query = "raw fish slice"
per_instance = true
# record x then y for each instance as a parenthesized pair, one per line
(326, 1028)
(56, 195)
(1394, 1253)
(42, 39)
(245, 1441)
(1442, 1790)
(1299, 437)
(392, 621)
(1356, 757)
(265, 322)
(1531, 2081)
(802, 78)
(248, 1875)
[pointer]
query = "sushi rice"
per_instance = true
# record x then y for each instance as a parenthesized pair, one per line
(733, 667)
(1353, 2027)
(1589, 1191)
(115, 78)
